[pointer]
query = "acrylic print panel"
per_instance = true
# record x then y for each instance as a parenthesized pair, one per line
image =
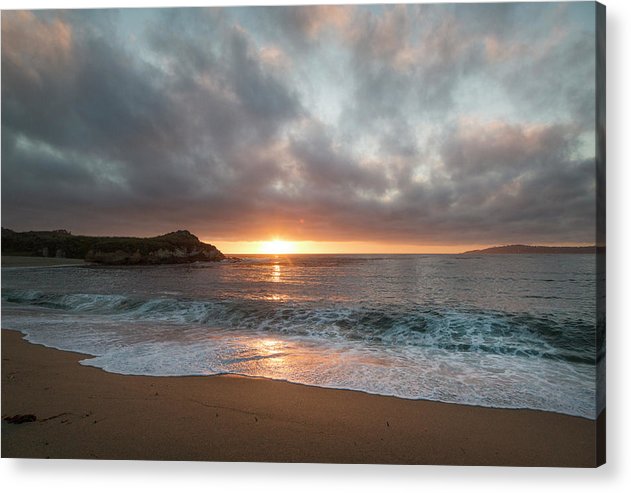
(352, 234)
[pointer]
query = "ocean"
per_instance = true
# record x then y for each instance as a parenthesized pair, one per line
(506, 331)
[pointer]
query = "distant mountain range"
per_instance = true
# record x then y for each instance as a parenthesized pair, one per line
(172, 248)
(530, 249)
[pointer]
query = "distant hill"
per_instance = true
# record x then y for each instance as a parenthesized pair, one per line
(171, 248)
(530, 249)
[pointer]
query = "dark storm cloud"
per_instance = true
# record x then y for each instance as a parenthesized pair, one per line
(522, 177)
(324, 166)
(207, 119)
(496, 179)
(162, 137)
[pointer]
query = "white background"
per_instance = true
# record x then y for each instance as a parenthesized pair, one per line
(51, 476)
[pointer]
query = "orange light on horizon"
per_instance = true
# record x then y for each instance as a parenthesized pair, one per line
(277, 247)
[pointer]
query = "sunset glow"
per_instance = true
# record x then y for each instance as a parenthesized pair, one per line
(368, 233)
(350, 129)
(336, 247)
(278, 247)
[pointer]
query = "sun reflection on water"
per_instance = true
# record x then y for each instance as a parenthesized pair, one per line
(290, 359)
(272, 355)
(276, 297)
(276, 273)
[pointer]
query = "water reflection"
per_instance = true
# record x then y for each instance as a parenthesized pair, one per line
(303, 361)
(276, 273)
(277, 297)
(263, 357)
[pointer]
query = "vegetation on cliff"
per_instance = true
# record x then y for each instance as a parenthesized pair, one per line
(176, 247)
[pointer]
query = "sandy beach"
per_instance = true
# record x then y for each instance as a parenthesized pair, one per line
(84, 412)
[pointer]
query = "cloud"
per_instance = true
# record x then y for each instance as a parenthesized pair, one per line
(30, 43)
(522, 178)
(303, 25)
(332, 123)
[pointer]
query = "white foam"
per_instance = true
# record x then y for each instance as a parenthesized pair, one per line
(408, 371)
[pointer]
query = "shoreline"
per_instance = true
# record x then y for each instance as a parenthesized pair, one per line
(85, 412)
(87, 357)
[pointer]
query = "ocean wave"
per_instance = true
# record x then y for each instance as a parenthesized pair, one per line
(445, 328)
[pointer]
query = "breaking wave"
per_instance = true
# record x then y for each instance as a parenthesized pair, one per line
(477, 330)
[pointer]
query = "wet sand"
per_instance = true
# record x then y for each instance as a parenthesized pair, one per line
(84, 412)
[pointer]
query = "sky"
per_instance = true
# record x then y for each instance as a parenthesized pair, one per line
(382, 128)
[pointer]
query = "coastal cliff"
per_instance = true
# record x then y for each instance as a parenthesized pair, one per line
(172, 248)
(530, 249)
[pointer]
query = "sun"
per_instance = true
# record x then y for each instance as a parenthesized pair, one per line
(277, 247)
